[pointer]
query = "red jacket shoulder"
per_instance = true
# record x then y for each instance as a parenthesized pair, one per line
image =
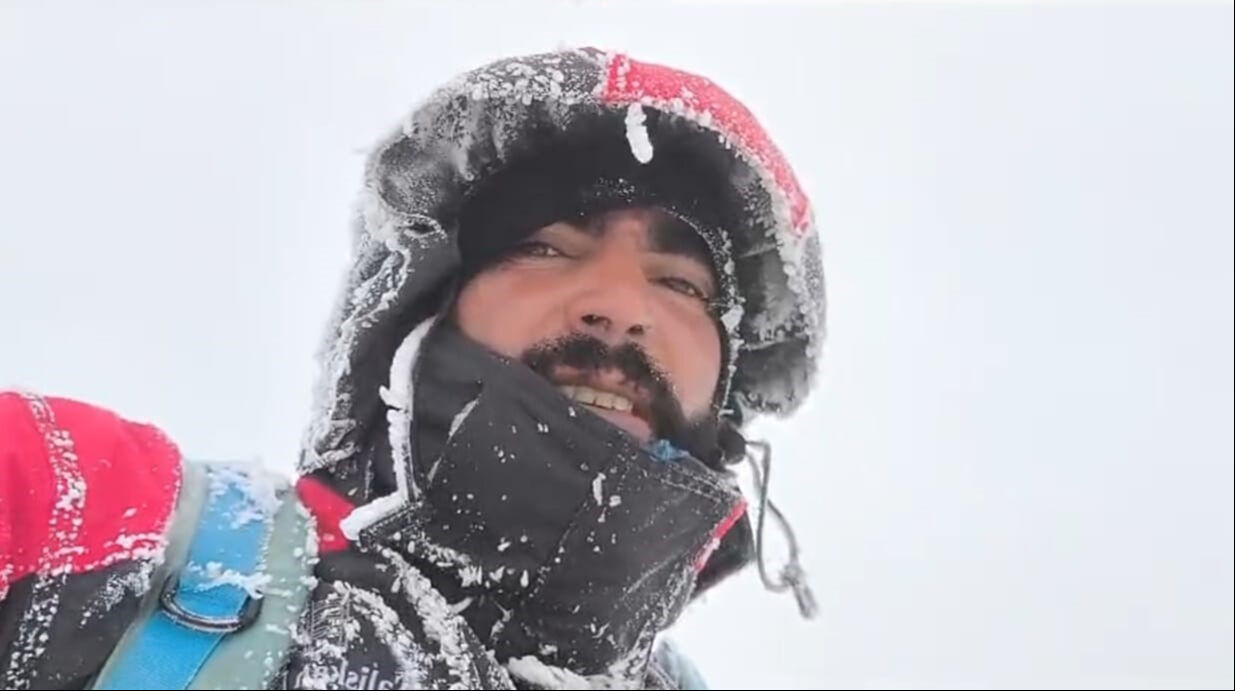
(80, 487)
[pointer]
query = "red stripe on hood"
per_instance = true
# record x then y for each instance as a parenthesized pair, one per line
(631, 81)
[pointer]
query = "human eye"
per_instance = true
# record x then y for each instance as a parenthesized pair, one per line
(683, 286)
(536, 248)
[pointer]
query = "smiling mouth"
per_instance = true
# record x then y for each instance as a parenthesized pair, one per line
(614, 407)
(597, 398)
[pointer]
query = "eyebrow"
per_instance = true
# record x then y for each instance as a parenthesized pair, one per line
(668, 234)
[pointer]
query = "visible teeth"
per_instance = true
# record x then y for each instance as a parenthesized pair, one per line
(600, 399)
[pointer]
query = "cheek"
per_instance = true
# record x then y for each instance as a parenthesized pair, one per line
(693, 346)
(486, 313)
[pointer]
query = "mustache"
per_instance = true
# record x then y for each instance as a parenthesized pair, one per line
(588, 354)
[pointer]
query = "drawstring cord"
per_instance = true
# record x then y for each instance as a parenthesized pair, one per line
(791, 576)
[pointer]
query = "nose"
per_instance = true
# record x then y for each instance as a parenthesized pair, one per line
(611, 302)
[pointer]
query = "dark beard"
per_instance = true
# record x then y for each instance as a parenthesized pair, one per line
(586, 354)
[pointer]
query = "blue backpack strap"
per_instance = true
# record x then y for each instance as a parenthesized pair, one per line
(217, 593)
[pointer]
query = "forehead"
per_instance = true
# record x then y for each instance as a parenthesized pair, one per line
(661, 232)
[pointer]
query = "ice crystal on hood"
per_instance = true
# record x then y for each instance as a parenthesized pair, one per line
(637, 133)
(398, 396)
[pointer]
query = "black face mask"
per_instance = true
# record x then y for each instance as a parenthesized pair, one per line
(575, 543)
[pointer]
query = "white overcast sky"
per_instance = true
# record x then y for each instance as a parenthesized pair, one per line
(1017, 470)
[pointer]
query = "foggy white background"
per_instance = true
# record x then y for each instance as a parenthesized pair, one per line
(1017, 470)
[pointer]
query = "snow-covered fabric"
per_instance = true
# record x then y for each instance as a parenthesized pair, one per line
(235, 578)
(89, 506)
(95, 510)
(553, 536)
(85, 501)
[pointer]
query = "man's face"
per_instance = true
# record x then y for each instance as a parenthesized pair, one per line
(615, 310)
